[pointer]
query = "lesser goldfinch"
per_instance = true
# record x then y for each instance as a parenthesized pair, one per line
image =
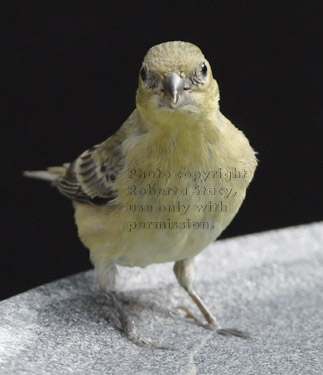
(168, 182)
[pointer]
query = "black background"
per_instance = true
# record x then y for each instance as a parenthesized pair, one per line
(70, 74)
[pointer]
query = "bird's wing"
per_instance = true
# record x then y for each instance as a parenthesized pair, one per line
(90, 178)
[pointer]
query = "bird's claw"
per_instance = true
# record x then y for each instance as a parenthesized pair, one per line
(233, 332)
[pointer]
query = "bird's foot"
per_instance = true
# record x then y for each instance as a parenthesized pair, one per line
(214, 326)
(231, 332)
(189, 315)
(126, 324)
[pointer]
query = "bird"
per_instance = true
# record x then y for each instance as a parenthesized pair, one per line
(138, 195)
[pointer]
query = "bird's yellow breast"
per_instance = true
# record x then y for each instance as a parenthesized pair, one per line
(173, 196)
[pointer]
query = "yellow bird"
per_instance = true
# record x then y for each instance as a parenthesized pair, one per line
(168, 182)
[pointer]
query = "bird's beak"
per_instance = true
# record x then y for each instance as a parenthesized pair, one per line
(173, 86)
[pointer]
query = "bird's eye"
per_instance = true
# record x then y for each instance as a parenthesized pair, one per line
(143, 74)
(204, 69)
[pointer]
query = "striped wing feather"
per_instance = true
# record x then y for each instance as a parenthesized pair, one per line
(90, 178)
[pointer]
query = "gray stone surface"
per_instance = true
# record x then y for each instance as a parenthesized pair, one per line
(269, 284)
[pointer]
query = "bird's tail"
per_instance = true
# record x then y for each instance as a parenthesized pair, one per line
(51, 174)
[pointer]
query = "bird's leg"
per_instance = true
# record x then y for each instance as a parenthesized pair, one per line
(184, 272)
(106, 273)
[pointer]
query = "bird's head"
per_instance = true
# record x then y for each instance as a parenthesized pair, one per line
(176, 79)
